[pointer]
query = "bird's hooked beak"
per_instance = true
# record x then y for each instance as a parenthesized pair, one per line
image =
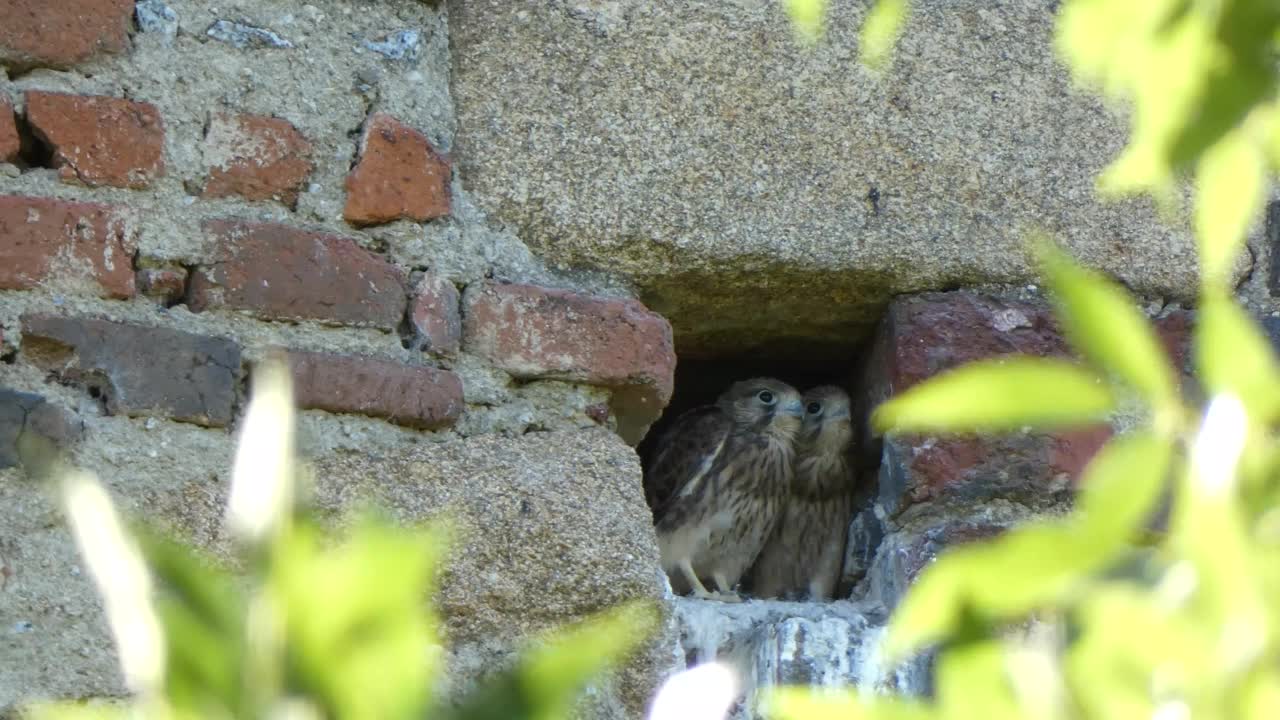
(795, 407)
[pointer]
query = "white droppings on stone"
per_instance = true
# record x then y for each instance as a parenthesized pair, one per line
(1009, 319)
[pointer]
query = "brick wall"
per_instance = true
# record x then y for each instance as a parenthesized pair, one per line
(186, 185)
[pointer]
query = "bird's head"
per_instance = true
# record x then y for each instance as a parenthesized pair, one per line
(766, 405)
(828, 420)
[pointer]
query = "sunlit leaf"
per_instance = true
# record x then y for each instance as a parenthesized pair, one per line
(880, 31)
(1229, 192)
(1262, 695)
(807, 17)
(1190, 72)
(1228, 585)
(973, 681)
(120, 573)
(996, 395)
(554, 673)
(1025, 569)
(1122, 485)
(550, 676)
(342, 642)
(262, 479)
(1103, 323)
(1112, 675)
(1233, 357)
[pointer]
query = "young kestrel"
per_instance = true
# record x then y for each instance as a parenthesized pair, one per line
(804, 554)
(718, 479)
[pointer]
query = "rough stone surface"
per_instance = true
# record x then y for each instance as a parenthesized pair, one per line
(139, 371)
(165, 283)
(22, 413)
(46, 241)
(771, 643)
(156, 17)
(416, 396)
(535, 332)
(10, 143)
(434, 315)
(550, 527)
(278, 272)
(400, 45)
(760, 193)
(399, 175)
(243, 36)
(257, 158)
(63, 33)
(99, 140)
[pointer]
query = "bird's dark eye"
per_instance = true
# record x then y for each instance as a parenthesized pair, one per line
(813, 408)
(765, 396)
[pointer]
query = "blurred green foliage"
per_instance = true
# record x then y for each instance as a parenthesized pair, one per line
(1093, 615)
(304, 624)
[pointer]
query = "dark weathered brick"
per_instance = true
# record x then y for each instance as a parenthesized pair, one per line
(23, 414)
(42, 239)
(139, 370)
(61, 33)
(399, 175)
(100, 140)
(412, 395)
(278, 272)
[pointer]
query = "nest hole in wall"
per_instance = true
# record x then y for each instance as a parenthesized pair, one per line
(701, 378)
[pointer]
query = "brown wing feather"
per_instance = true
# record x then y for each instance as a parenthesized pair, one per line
(681, 452)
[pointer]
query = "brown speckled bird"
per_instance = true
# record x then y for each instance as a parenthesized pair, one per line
(717, 481)
(805, 552)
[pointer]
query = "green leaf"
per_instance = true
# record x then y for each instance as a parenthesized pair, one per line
(1121, 486)
(880, 31)
(807, 17)
(549, 677)
(343, 639)
(1233, 357)
(999, 395)
(1025, 569)
(1190, 72)
(1230, 180)
(553, 675)
(972, 680)
(1102, 322)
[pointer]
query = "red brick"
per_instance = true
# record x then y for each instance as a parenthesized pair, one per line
(61, 33)
(278, 272)
(411, 395)
(257, 158)
(138, 370)
(99, 140)
(42, 239)
(10, 143)
(927, 334)
(534, 332)
(399, 175)
(437, 326)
